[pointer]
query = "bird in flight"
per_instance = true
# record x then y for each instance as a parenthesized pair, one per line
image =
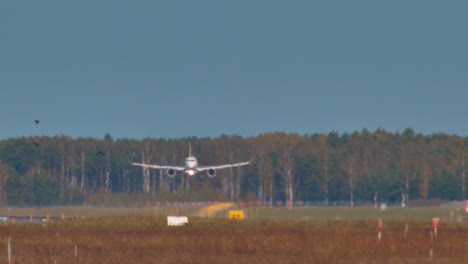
(100, 153)
(37, 121)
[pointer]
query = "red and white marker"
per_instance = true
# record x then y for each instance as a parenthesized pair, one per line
(435, 224)
(379, 228)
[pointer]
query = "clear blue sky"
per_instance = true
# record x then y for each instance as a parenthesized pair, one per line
(201, 68)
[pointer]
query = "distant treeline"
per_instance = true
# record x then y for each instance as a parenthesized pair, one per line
(361, 166)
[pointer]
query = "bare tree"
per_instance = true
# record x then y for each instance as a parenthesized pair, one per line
(262, 146)
(147, 153)
(407, 169)
(463, 180)
(146, 173)
(83, 170)
(286, 162)
(352, 184)
(62, 168)
(323, 177)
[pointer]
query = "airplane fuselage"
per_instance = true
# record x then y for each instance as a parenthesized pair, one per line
(191, 165)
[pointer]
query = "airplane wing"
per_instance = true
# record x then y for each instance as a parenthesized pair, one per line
(159, 167)
(223, 166)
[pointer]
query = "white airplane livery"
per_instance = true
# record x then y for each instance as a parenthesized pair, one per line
(191, 167)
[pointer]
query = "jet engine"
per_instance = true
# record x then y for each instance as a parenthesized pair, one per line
(170, 172)
(211, 172)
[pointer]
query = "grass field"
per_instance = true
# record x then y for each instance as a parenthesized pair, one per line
(262, 213)
(268, 235)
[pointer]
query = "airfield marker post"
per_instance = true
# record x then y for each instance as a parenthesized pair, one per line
(406, 231)
(379, 228)
(9, 250)
(431, 250)
(435, 225)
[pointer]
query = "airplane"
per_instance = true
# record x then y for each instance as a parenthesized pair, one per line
(191, 167)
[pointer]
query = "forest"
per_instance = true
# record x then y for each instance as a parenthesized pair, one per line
(323, 169)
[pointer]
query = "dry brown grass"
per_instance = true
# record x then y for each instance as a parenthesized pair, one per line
(148, 240)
